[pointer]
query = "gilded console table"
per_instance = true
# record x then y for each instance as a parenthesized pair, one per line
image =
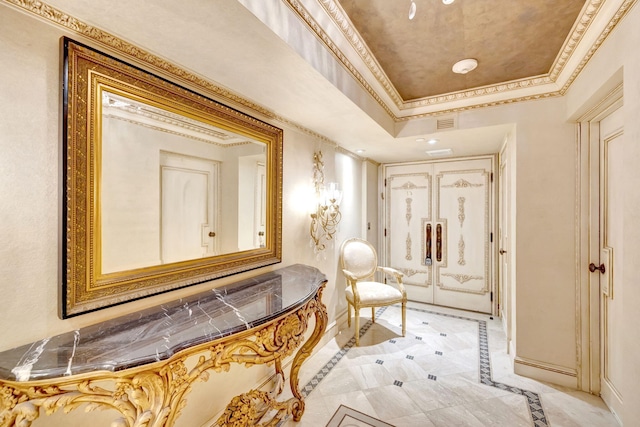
(136, 364)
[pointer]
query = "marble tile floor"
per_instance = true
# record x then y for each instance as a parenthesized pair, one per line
(451, 369)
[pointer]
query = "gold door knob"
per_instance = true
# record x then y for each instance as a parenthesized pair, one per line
(212, 234)
(502, 252)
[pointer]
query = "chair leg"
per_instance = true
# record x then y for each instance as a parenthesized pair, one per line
(404, 318)
(357, 327)
(373, 315)
(348, 314)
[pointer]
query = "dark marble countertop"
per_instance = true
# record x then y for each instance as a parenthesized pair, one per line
(159, 332)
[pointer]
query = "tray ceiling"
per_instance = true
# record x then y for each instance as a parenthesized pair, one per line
(511, 40)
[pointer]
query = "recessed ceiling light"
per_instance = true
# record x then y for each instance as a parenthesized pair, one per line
(464, 66)
(433, 141)
(443, 152)
(420, 139)
(360, 151)
(447, 1)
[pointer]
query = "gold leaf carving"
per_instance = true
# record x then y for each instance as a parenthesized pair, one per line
(461, 245)
(153, 395)
(462, 183)
(409, 186)
(462, 278)
(461, 215)
(408, 212)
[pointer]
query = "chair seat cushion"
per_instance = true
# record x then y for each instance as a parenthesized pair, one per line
(373, 293)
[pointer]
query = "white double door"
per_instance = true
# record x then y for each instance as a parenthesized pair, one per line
(439, 230)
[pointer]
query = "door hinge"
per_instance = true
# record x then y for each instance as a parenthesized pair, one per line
(382, 196)
(385, 232)
(385, 182)
(491, 296)
(491, 237)
(491, 176)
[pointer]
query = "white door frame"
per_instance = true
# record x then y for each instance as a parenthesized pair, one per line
(587, 205)
(504, 247)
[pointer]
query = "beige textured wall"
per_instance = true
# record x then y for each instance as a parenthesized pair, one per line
(30, 212)
(620, 52)
(543, 161)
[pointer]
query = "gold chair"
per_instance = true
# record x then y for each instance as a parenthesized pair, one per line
(359, 263)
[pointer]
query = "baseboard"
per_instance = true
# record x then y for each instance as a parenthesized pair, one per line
(266, 381)
(546, 372)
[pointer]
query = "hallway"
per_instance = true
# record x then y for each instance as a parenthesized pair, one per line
(450, 369)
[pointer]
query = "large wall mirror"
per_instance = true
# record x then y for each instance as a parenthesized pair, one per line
(164, 188)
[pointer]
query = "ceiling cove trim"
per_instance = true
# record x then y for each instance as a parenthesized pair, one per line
(322, 35)
(50, 14)
(341, 20)
(613, 22)
(576, 35)
(132, 52)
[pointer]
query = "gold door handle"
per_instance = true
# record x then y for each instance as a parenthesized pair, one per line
(593, 268)
(427, 260)
(212, 234)
(439, 242)
(502, 252)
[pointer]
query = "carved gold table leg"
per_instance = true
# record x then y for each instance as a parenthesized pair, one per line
(247, 409)
(304, 352)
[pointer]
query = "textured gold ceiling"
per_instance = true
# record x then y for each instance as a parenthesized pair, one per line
(510, 39)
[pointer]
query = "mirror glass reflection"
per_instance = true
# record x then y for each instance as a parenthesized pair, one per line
(173, 188)
(164, 187)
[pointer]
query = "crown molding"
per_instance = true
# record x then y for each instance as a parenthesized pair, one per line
(563, 72)
(153, 62)
(617, 16)
(134, 53)
(572, 58)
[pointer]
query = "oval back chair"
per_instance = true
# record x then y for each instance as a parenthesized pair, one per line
(359, 263)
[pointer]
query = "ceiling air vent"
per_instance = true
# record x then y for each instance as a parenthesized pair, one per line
(446, 123)
(441, 152)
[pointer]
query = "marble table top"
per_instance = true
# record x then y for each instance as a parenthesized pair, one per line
(159, 332)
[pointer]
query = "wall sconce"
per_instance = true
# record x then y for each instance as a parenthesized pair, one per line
(326, 215)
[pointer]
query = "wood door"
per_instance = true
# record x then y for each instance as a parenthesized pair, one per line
(439, 225)
(463, 273)
(609, 273)
(409, 230)
(187, 201)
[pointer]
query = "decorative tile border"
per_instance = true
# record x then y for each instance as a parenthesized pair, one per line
(348, 415)
(533, 399)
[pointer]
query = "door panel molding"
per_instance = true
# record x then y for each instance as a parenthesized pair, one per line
(410, 196)
(468, 185)
(459, 205)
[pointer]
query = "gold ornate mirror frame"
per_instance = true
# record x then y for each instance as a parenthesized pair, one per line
(88, 76)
